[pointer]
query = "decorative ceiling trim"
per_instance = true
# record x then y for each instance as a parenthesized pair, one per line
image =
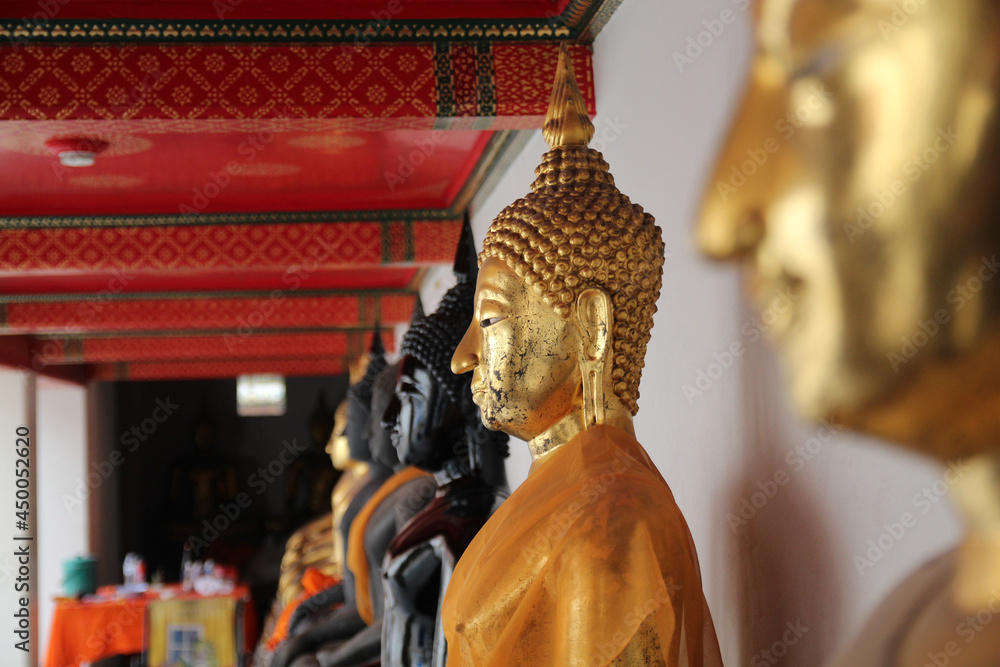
(580, 20)
(205, 370)
(243, 315)
(388, 216)
(297, 249)
(201, 347)
(475, 86)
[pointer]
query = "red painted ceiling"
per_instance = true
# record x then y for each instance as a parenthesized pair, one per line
(222, 172)
(259, 207)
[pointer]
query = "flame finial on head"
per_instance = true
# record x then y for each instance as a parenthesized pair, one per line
(567, 122)
(466, 266)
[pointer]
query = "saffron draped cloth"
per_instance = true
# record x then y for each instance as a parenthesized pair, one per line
(589, 563)
(357, 559)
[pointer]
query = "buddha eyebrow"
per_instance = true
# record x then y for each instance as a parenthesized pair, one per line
(491, 297)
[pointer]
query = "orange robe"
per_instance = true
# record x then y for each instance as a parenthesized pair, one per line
(588, 563)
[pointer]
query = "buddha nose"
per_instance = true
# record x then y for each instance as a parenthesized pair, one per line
(466, 357)
(390, 417)
(748, 174)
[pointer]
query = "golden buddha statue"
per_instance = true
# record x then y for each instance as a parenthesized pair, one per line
(859, 180)
(589, 562)
(319, 544)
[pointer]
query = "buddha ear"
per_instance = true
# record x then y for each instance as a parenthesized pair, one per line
(593, 317)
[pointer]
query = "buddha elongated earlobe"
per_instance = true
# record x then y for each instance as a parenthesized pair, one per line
(594, 318)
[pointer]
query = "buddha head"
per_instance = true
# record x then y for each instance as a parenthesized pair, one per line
(359, 402)
(567, 288)
(379, 438)
(858, 189)
(432, 417)
(337, 447)
(321, 421)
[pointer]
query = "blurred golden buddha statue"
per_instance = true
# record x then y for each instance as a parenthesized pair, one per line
(320, 544)
(859, 188)
(589, 562)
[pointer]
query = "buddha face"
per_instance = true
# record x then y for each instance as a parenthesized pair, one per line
(379, 437)
(419, 416)
(855, 187)
(523, 356)
(358, 415)
(337, 447)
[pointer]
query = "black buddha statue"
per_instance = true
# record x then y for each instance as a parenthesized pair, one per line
(342, 626)
(436, 427)
(338, 601)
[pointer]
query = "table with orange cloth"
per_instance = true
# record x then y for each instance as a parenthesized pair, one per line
(85, 631)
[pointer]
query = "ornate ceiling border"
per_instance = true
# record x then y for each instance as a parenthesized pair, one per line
(580, 21)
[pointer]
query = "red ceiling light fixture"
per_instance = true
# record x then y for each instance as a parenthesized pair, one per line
(76, 151)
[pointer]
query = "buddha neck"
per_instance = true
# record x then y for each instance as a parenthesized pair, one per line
(573, 424)
(946, 406)
(451, 470)
(976, 492)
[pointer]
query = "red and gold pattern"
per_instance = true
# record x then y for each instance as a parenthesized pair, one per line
(236, 81)
(350, 23)
(205, 370)
(260, 346)
(241, 315)
(249, 247)
(528, 75)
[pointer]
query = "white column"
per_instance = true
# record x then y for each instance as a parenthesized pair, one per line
(61, 488)
(18, 575)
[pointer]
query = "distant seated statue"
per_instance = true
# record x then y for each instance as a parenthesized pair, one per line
(436, 427)
(200, 482)
(318, 544)
(342, 626)
(589, 562)
(311, 477)
(361, 480)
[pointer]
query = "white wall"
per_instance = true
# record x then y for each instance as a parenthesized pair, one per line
(62, 466)
(17, 412)
(793, 562)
